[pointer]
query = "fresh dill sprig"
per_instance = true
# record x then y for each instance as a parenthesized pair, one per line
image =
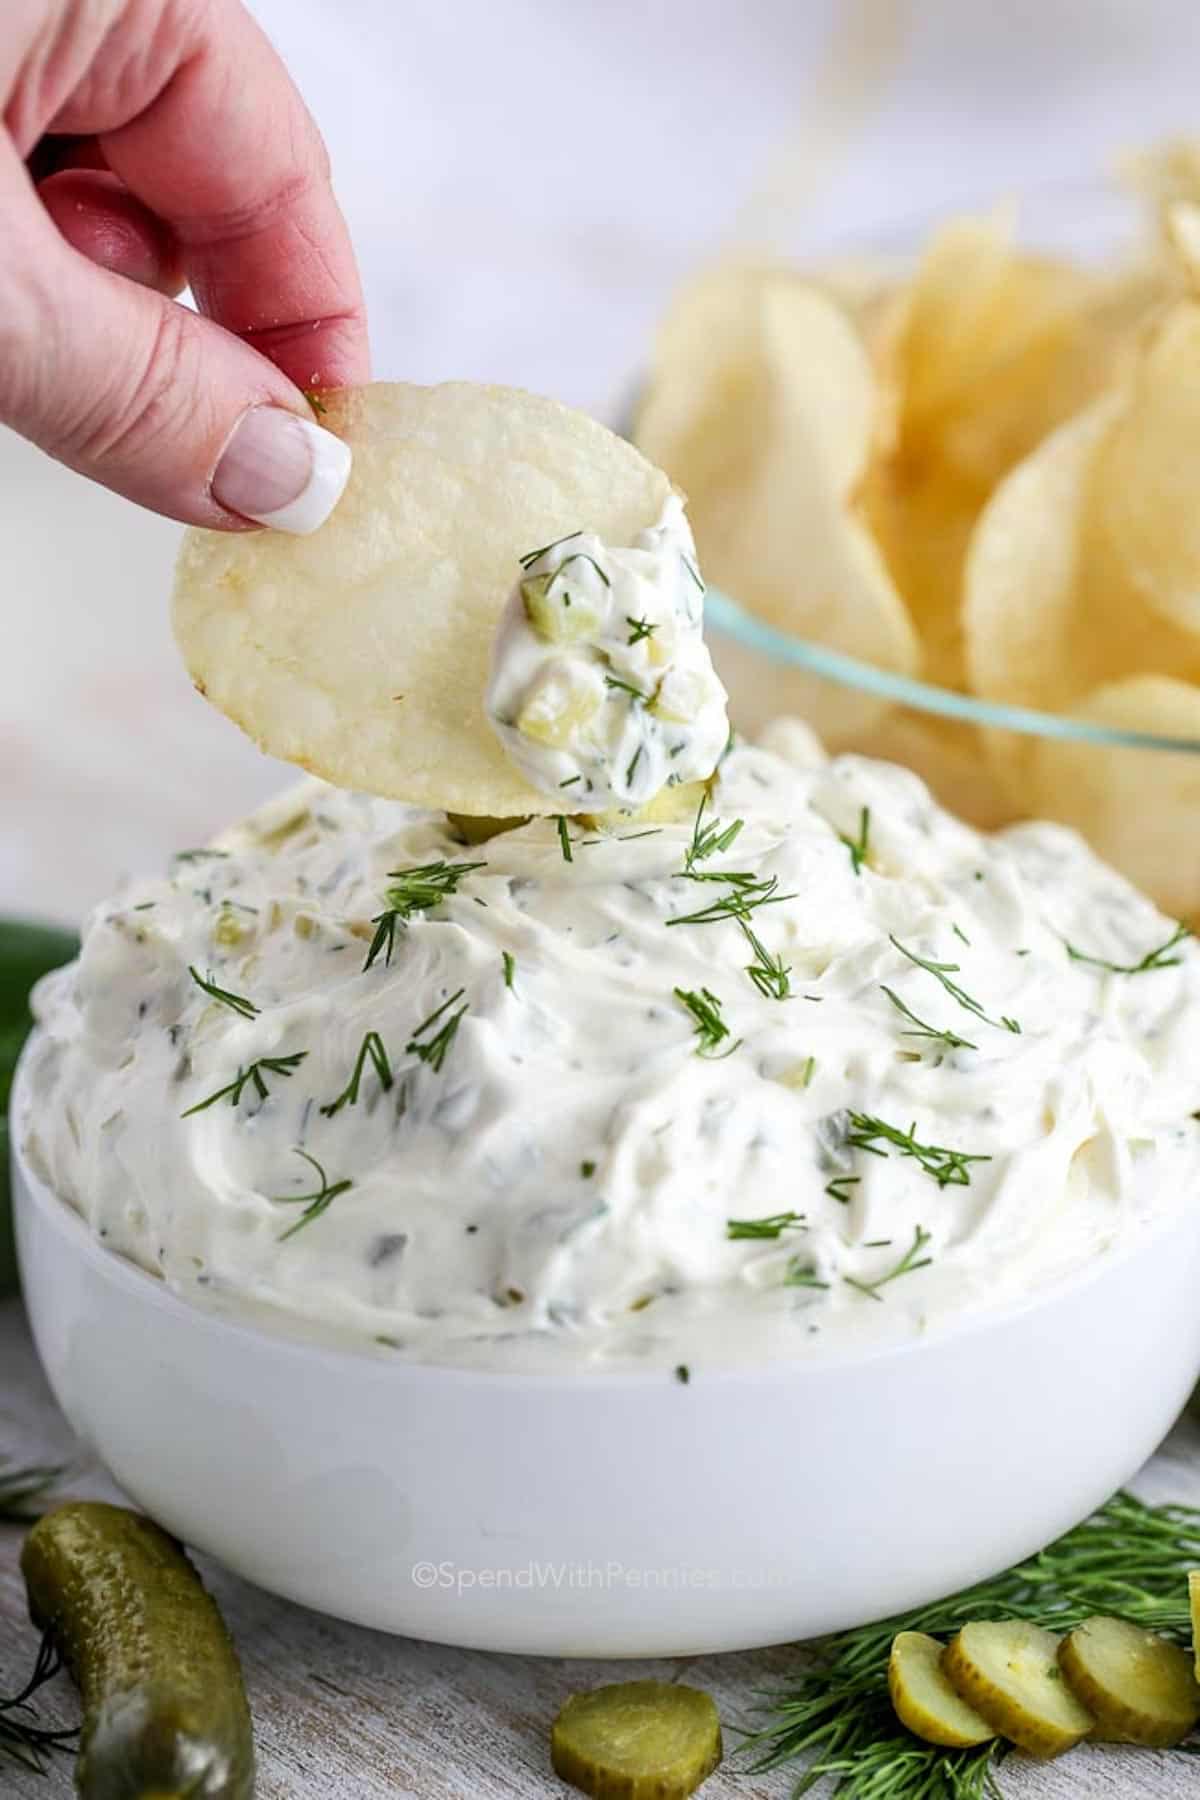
(414, 891)
(1158, 958)
(859, 847)
(711, 1029)
(582, 556)
(802, 1274)
(314, 1204)
(942, 971)
(22, 1739)
(948, 1039)
(747, 893)
(912, 1259)
(510, 967)
(564, 838)
(770, 974)
(949, 1168)
(693, 571)
(836, 1188)
(433, 1050)
(256, 1073)
(835, 1719)
(639, 629)
(22, 1490)
(773, 1226)
(202, 855)
(531, 556)
(634, 760)
(372, 1047)
(625, 687)
(708, 840)
(237, 1003)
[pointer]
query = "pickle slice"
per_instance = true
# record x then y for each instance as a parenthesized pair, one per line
(923, 1698)
(1194, 1602)
(1008, 1671)
(164, 1709)
(637, 1740)
(1139, 1688)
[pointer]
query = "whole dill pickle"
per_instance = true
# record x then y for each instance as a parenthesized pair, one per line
(164, 1709)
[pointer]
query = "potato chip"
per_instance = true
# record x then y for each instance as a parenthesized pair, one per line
(361, 652)
(1137, 808)
(1147, 474)
(764, 407)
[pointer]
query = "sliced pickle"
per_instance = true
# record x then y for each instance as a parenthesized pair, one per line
(1139, 1688)
(1008, 1671)
(923, 1698)
(637, 1740)
(478, 831)
(1194, 1602)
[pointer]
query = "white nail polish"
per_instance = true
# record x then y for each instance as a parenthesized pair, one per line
(282, 471)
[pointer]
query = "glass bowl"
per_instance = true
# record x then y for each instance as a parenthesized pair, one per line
(1134, 794)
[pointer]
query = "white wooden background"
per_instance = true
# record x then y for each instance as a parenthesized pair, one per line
(347, 1714)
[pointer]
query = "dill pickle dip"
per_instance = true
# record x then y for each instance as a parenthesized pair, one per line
(814, 1065)
(601, 689)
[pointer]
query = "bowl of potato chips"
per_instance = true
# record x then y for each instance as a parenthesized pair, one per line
(948, 497)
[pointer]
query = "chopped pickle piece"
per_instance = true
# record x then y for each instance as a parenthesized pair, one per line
(1008, 1671)
(923, 1698)
(1139, 1688)
(478, 831)
(681, 695)
(1194, 1602)
(559, 610)
(559, 702)
(637, 1740)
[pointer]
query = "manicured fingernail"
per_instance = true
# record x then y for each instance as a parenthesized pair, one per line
(282, 471)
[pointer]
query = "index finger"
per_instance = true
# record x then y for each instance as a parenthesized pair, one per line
(228, 154)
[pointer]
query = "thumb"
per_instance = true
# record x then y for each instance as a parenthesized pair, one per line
(149, 398)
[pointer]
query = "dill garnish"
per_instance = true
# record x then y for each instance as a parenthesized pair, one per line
(531, 556)
(626, 687)
(949, 1168)
(315, 401)
(237, 1003)
(582, 556)
(639, 629)
(835, 1719)
(634, 760)
(22, 1739)
(912, 1259)
(950, 1040)
(802, 1274)
(373, 1047)
(711, 1028)
(202, 855)
(257, 1071)
(1153, 959)
(836, 1188)
(747, 893)
(770, 974)
(859, 847)
(708, 840)
(771, 1227)
(942, 972)
(564, 838)
(510, 967)
(434, 1050)
(414, 891)
(693, 571)
(570, 781)
(314, 1204)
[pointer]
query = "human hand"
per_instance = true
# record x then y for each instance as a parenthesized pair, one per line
(189, 157)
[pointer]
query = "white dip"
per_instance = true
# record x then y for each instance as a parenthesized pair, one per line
(522, 1140)
(602, 690)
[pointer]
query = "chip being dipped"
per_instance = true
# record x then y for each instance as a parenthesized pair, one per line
(362, 652)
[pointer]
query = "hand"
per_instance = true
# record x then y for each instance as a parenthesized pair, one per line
(189, 156)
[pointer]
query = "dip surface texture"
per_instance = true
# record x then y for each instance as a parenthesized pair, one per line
(683, 1096)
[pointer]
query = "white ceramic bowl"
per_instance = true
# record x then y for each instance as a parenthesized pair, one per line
(615, 1514)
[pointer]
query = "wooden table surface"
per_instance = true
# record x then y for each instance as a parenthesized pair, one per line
(347, 1714)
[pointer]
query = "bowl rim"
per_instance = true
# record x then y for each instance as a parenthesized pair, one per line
(287, 1333)
(724, 617)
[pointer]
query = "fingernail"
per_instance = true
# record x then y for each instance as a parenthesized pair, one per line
(281, 470)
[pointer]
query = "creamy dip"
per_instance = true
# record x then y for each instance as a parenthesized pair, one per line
(602, 689)
(815, 1065)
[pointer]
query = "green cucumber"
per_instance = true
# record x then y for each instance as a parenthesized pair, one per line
(164, 1708)
(27, 952)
